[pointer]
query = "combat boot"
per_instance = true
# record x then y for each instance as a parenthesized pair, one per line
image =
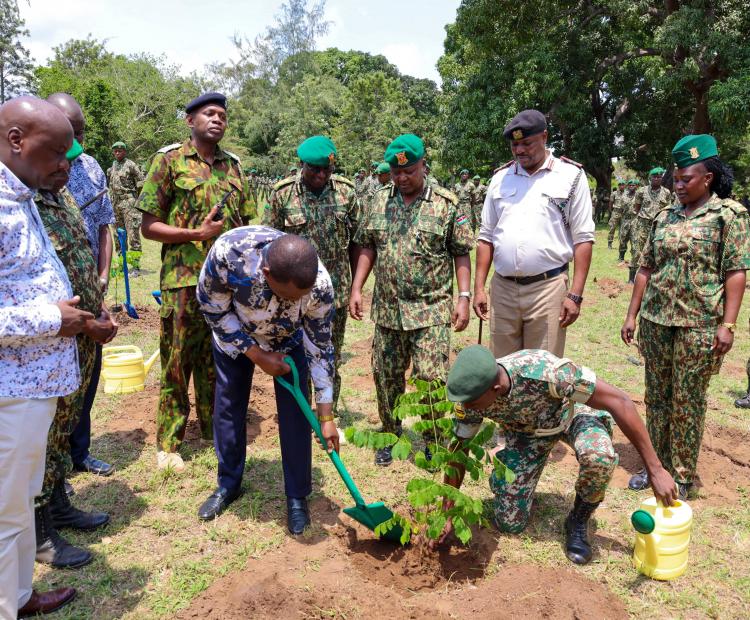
(577, 545)
(64, 514)
(744, 402)
(53, 549)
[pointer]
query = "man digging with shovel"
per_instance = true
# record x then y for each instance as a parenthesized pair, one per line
(266, 296)
(539, 399)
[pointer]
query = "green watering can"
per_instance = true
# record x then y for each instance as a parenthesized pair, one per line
(369, 515)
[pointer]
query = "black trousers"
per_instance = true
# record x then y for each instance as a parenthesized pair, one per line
(80, 438)
(234, 378)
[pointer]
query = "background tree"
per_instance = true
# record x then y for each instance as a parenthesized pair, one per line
(16, 67)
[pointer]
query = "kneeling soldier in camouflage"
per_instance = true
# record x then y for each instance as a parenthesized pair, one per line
(539, 399)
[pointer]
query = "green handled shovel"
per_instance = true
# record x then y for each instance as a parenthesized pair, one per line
(369, 515)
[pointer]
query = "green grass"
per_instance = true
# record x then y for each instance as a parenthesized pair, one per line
(156, 556)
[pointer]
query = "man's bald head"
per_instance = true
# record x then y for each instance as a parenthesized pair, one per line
(72, 109)
(34, 138)
(292, 260)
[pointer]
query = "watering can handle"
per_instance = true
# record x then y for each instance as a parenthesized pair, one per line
(312, 419)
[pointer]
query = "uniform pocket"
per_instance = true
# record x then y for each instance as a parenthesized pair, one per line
(704, 259)
(429, 235)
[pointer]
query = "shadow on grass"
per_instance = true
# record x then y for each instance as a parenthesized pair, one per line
(111, 496)
(121, 448)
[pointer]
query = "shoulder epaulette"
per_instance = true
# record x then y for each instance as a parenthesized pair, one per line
(733, 205)
(284, 182)
(171, 147)
(567, 160)
(505, 165)
(445, 193)
(339, 179)
(233, 156)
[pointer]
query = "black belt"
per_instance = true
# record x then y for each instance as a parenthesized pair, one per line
(537, 278)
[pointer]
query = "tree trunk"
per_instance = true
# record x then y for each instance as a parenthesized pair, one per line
(603, 176)
(701, 119)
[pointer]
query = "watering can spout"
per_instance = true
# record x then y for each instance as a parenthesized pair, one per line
(150, 361)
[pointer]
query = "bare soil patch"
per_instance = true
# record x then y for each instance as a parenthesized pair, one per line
(317, 581)
(610, 287)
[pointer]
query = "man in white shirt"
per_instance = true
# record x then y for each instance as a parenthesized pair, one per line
(537, 217)
(38, 320)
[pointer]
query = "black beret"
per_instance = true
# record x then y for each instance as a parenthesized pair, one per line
(205, 99)
(525, 124)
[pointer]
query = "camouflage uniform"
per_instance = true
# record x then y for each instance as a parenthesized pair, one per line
(628, 215)
(413, 297)
(125, 180)
(329, 221)
(682, 307)
(544, 388)
(616, 216)
(181, 189)
(64, 224)
(477, 203)
(650, 202)
(465, 194)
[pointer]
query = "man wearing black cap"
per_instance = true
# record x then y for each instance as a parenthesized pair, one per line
(181, 208)
(537, 217)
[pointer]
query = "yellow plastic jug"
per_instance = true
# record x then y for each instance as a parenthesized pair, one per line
(123, 369)
(662, 538)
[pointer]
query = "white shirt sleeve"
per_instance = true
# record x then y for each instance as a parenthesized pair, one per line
(489, 213)
(582, 225)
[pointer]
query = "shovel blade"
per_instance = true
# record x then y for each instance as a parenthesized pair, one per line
(372, 515)
(130, 309)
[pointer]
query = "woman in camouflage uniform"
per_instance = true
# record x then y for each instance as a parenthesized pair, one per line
(688, 290)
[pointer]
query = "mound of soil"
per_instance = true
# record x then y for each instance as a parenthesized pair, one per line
(610, 287)
(350, 575)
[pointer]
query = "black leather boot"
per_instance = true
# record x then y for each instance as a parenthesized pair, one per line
(577, 546)
(64, 514)
(744, 402)
(53, 549)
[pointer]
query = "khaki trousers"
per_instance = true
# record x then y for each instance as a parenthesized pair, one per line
(24, 424)
(527, 316)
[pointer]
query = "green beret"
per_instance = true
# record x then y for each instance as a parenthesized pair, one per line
(119, 145)
(404, 151)
(382, 168)
(656, 171)
(477, 178)
(633, 182)
(317, 151)
(464, 171)
(473, 373)
(621, 182)
(292, 169)
(74, 151)
(692, 149)
(374, 164)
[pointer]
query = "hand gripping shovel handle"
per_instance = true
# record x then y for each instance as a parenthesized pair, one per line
(313, 421)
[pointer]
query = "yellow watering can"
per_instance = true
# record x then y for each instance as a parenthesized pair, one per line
(662, 538)
(124, 370)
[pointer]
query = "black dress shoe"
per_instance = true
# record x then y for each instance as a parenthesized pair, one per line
(216, 503)
(297, 514)
(64, 514)
(639, 481)
(69, 489)
(94, 466)
(383, 456)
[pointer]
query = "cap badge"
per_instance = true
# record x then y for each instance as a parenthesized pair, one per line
(331, 158)
(517, 134)
(401, 158)
(694, 153)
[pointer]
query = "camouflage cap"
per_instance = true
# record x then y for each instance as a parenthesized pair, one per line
(74, 151)
(404, 151)
(119, 145)
(473, 373)
(317, 151)
(694, 148)
(525, 124)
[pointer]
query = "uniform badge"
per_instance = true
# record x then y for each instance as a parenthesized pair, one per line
(331, 158)
(461, 219)
(694, 153)
(459, 412)
(401, 158)
(517, 134)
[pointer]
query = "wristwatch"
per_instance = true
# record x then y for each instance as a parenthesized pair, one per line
(729, 326)
(466, 294)
(575, 298)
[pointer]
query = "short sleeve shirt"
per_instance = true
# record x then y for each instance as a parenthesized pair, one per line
(180, 189)
(688, 257)
(652, 201)
(415, 247)
(542, 387)
(328, 221)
